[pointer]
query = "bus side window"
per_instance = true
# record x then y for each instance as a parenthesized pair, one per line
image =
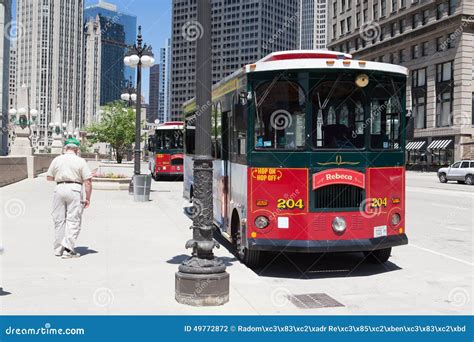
(240, 122)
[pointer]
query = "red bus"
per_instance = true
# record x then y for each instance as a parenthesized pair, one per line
(166, 144)
(309, 155)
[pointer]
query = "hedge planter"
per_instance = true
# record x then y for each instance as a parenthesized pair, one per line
(116, 184)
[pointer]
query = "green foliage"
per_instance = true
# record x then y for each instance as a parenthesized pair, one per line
(116, 127)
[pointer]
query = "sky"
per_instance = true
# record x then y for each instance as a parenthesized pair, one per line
(155, 18)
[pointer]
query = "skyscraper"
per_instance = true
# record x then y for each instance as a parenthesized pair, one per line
(154, 98)
(112, 65)
(5, 20)
(164, 114)
(92, 70)
(434, 39)
(12, 77)
(50, 57)
(243, 32)
(127, 21)
(313, 23)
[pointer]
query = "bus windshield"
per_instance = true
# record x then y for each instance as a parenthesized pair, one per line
(346, 111)
(168, 140)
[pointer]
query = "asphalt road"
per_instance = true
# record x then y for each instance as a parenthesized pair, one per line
(132, 250)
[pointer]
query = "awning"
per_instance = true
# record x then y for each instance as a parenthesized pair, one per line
(439, 144)
(415, 145)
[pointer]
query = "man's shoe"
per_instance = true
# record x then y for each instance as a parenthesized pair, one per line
(68, 254)
(60, 253)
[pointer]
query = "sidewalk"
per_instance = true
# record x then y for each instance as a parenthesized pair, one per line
(131, 252)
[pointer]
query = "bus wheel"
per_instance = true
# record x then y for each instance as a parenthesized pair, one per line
(379, 256)
(251, 258)
(442, 178)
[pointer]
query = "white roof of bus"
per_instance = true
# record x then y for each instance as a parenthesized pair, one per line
(319, 59)
(169, 127)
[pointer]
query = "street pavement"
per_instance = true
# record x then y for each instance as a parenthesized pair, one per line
(131, 252)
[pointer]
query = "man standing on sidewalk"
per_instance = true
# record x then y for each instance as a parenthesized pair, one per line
(71, 174)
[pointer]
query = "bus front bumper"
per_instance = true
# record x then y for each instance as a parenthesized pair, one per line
(320, 246)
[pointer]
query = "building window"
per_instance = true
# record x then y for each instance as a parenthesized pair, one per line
(439, 44)
(426, 16)
(375, 9)
(343, 6)
(402, 25)
(451, 42)
(383, 8)
(334, 9)
(357, 19)
(392, 58)
(334, 31)
(349, 24)
(415, 20)
(403, 4)
(343, 27)
(419, 97)
(472, 109)
(393, 28)
(439, 11)
(366, 15)
(444, 94)
(394, 5)
(349, 4)
(415, 51)
(401, 54)
(424, 49)
(452, 7)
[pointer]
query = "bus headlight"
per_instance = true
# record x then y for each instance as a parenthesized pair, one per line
(396, 219)
(262, 222)
(339, 224)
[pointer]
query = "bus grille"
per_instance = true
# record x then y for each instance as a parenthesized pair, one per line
(338, 196)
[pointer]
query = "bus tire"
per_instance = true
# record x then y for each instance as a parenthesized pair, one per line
(250, 258)
(379, 256)
(442, 178)
(469, 180)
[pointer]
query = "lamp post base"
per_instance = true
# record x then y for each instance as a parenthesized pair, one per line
(202, 289)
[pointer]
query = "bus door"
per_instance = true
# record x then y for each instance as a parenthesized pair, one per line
(225, 181)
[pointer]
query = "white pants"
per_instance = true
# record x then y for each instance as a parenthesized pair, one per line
(67, 216)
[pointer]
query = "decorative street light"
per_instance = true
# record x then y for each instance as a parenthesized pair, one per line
(202, 279)
(129, 93)
(59, 128)
(23, 120)
(138, 56)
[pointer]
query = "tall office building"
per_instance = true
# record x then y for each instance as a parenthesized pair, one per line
(5, 20)
(243, 31)
(154, 98)
(49, 58)
(92, 70)
(12, 77)
(127, 21)
(312, 32)
(164, 114)
(435, 41)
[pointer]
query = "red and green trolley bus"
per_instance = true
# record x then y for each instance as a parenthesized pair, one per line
(308, 151)
(166, 145)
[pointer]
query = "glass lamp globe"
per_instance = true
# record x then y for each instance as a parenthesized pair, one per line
(134, 97)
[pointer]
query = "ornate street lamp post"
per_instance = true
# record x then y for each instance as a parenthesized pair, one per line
(58, 128)
(23, 120)
(129, 93)
(139, 56)
(202, 280)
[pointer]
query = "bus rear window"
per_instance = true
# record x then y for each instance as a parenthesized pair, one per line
(280, 116)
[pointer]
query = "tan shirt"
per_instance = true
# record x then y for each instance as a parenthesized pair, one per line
(69, 168)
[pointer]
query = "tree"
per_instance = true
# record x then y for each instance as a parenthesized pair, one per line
(116, 127)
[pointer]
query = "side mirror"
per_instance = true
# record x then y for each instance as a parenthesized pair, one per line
(410, 125)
